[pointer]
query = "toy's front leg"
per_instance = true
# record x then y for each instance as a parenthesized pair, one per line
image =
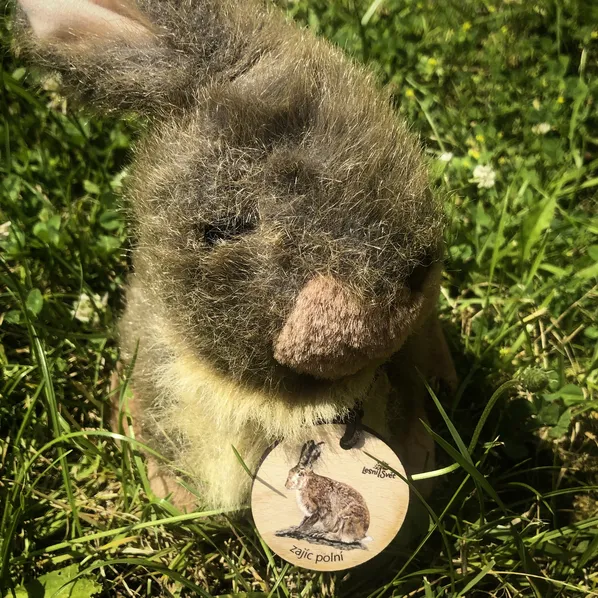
(162, 483)
(431, 355)
(425, 355)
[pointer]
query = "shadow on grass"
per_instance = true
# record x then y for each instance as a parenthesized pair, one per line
(510, 454)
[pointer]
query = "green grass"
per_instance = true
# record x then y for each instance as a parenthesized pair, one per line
(508, 85)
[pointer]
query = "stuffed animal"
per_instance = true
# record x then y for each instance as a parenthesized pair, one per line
(288, 246)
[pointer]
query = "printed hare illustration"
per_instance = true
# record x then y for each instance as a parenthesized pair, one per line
(288, 246)
(335, 513)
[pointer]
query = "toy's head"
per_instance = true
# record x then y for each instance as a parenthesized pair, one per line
(283, 216)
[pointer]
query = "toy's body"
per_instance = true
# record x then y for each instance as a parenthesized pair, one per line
(288, 246)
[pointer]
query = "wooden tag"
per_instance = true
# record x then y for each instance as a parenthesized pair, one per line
(325, 508)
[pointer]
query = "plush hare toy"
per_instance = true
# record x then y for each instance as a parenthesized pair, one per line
(334, 512)
(288, 246)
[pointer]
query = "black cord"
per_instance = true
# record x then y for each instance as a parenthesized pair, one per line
(352, 423)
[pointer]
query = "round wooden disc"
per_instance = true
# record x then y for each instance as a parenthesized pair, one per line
(325, 508)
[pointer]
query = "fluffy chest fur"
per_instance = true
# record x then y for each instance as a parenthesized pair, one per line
(196, 415)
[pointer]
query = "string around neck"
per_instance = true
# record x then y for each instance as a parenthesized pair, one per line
(352, 423)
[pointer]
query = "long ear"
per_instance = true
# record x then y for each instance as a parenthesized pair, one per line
(310, 453)
(315, 452)
(87, 22)
(107, 51)
(306, 459)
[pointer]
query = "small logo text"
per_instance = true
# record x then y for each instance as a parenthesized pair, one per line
(379, 470)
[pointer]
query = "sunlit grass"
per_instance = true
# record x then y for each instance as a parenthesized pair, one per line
(503, 95)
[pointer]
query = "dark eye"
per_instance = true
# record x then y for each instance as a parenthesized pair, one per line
(417, 278)
(228, 228)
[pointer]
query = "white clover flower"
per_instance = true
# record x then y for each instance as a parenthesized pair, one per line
(446, 157)
(83, 307)
(484, 176)
(52, 84)
(5, 230)
(541, 129)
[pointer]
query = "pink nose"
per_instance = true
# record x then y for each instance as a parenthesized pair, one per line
(330, 333)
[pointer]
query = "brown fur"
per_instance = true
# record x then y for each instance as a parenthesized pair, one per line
(271, 162)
